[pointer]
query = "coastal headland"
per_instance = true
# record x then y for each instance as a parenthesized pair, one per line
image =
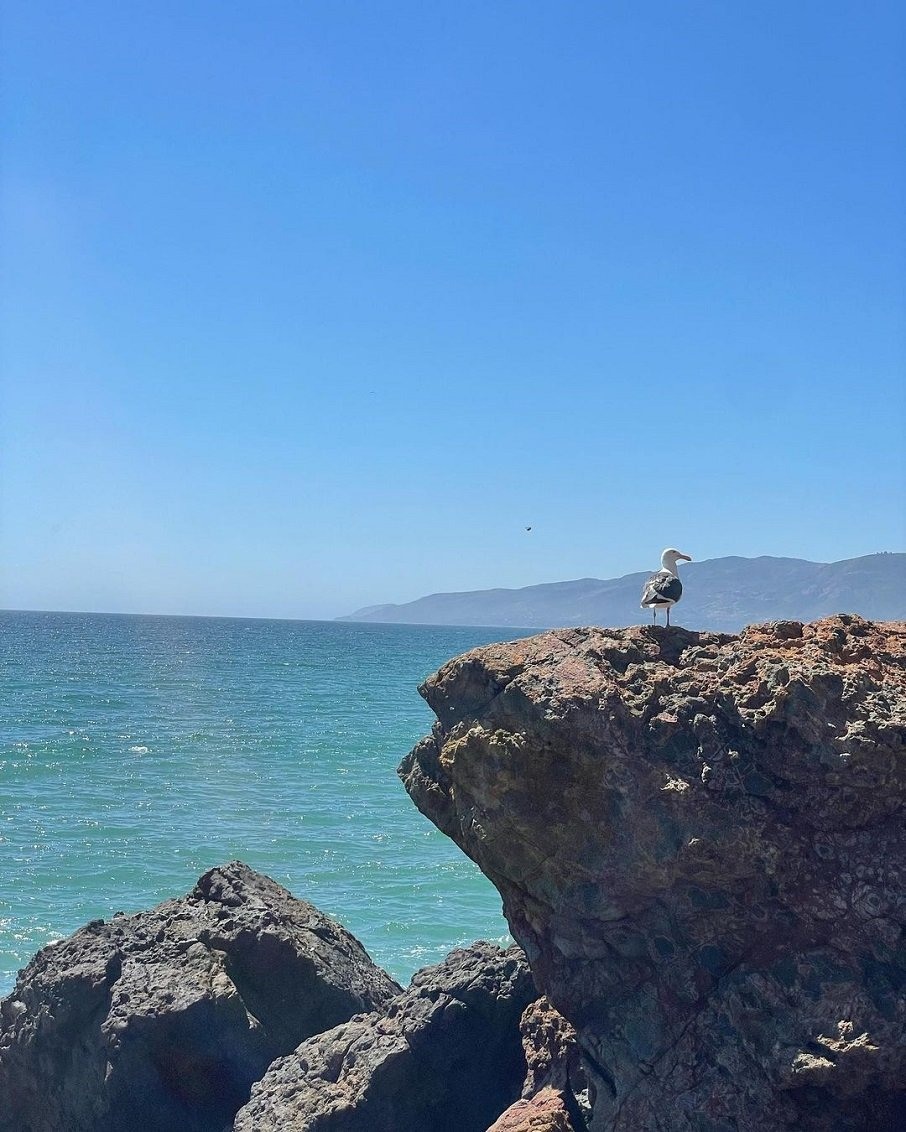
(699, 843)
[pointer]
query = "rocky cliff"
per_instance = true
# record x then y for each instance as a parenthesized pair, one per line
(700, 845)
(699, 842)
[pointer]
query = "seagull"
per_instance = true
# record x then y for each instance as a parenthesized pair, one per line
(664, 588)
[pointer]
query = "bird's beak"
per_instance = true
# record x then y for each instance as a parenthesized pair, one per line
(686, 557)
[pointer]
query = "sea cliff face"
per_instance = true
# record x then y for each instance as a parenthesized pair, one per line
(700, 845)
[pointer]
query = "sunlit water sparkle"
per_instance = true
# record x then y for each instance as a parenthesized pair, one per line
(137, 752)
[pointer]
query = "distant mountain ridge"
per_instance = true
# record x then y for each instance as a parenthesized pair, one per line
(722, 594)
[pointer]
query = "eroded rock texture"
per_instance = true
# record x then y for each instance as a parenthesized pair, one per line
(163, 1020)
(699, 841)
(444, 1057)
(554, 1093)
(551, 1052)
(544, 1112)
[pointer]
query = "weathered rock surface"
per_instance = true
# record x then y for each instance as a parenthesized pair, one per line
(544, 1112)
(699, 841)
(444, 1057)
(163, 1020)
(554, 1093)
(551, 1052)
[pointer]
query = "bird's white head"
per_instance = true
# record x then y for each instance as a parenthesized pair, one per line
(670, 558)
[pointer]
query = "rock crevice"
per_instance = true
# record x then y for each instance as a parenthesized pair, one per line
(445, 1055)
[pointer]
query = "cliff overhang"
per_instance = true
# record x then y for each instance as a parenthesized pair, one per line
(699, 842)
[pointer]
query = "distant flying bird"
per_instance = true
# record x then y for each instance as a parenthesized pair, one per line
(664, 588)
(528, 528)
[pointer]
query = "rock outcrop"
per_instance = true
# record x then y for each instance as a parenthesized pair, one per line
(555, 1091)
(163, 1020)
(551, 1052)
(699, 841)
(445, 1056)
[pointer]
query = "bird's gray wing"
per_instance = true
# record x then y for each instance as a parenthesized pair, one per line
(661, 587)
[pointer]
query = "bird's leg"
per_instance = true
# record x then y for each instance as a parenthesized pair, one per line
(668, 616)
(654, 614)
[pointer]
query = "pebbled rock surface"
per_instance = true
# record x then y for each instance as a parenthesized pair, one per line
(554, 1093)
(163, 1020)
(552, 1054)
(544, 1112)
(700, 843)
(445, 1056)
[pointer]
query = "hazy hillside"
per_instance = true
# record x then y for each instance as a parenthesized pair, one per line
(723, 593)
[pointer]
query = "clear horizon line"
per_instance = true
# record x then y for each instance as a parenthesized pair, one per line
(349, 617)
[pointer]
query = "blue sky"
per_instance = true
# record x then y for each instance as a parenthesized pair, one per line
(310, 305)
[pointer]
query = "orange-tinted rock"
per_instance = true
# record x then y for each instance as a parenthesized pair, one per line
(544, 1112)
(551, 1051)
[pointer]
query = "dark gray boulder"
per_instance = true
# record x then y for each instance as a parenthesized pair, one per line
(163, 1020)
(445, 1056)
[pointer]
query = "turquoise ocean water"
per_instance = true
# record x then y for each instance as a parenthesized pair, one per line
(137, 752)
